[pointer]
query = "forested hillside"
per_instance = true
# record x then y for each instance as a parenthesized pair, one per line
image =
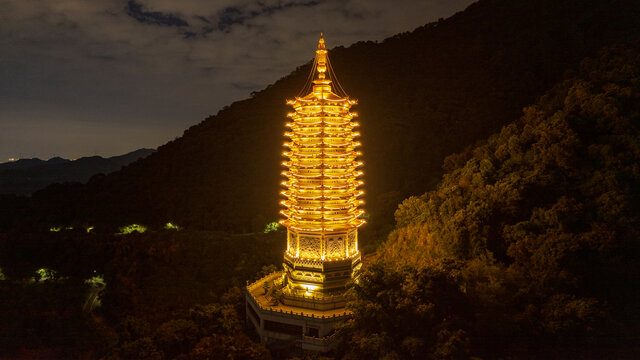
(155, 294)
(423, 95)
(528, 248)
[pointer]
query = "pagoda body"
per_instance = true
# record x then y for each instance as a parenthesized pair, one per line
(322, 216)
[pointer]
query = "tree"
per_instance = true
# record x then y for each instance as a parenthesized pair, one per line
(543, 219)
(409, 313)
(238, 347)
(176, 337)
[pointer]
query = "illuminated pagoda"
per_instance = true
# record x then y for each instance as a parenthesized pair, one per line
(303, 303)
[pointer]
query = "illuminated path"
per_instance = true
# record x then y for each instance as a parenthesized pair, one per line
(93, 298)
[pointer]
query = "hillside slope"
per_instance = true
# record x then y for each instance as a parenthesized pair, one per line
(539, 226)
(423, 95)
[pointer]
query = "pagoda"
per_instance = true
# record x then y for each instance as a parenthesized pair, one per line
(303, 302)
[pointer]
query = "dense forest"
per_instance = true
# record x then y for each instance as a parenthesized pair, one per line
(529, 247)
(163, 292)
(524, 244)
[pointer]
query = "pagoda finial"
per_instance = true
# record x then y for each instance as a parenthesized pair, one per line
(321, 58)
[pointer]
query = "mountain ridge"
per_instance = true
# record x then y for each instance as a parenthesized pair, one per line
(25, 176)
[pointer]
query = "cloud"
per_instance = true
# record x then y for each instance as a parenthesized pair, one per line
(174, 61)
(136, 11)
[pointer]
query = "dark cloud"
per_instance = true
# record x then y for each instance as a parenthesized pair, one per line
(111, 76)
(137, 12)
(236, 16)
(229, 17)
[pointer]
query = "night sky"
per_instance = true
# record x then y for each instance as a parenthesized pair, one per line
(84, 77)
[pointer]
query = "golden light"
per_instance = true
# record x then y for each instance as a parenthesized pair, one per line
(309, 288)
(322, 214)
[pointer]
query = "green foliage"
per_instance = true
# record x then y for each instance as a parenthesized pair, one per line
(544, 217)
(171, 226)
(272, 226)
(59, 228)
(96, 279)
(132, 228)
(45, 274)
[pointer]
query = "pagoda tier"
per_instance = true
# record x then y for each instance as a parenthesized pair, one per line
(322, 178)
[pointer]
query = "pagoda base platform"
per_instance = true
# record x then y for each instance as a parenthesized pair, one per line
(305, 322)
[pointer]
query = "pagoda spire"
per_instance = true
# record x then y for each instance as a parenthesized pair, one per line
(321, 61)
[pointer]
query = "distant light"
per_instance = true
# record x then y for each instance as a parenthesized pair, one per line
(13, 159)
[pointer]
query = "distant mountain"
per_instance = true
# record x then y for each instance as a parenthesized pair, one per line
(30, 163)
(422, 96)
(25, 176)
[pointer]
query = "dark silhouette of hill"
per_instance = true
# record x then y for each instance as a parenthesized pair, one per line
(25, 176)
(423, 95)
(31, 163)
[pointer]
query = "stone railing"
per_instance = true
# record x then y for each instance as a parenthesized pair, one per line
(311, 301)
(298, 314)
(260, 282)
(314, 302)
(320, 298)
(320, 342)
